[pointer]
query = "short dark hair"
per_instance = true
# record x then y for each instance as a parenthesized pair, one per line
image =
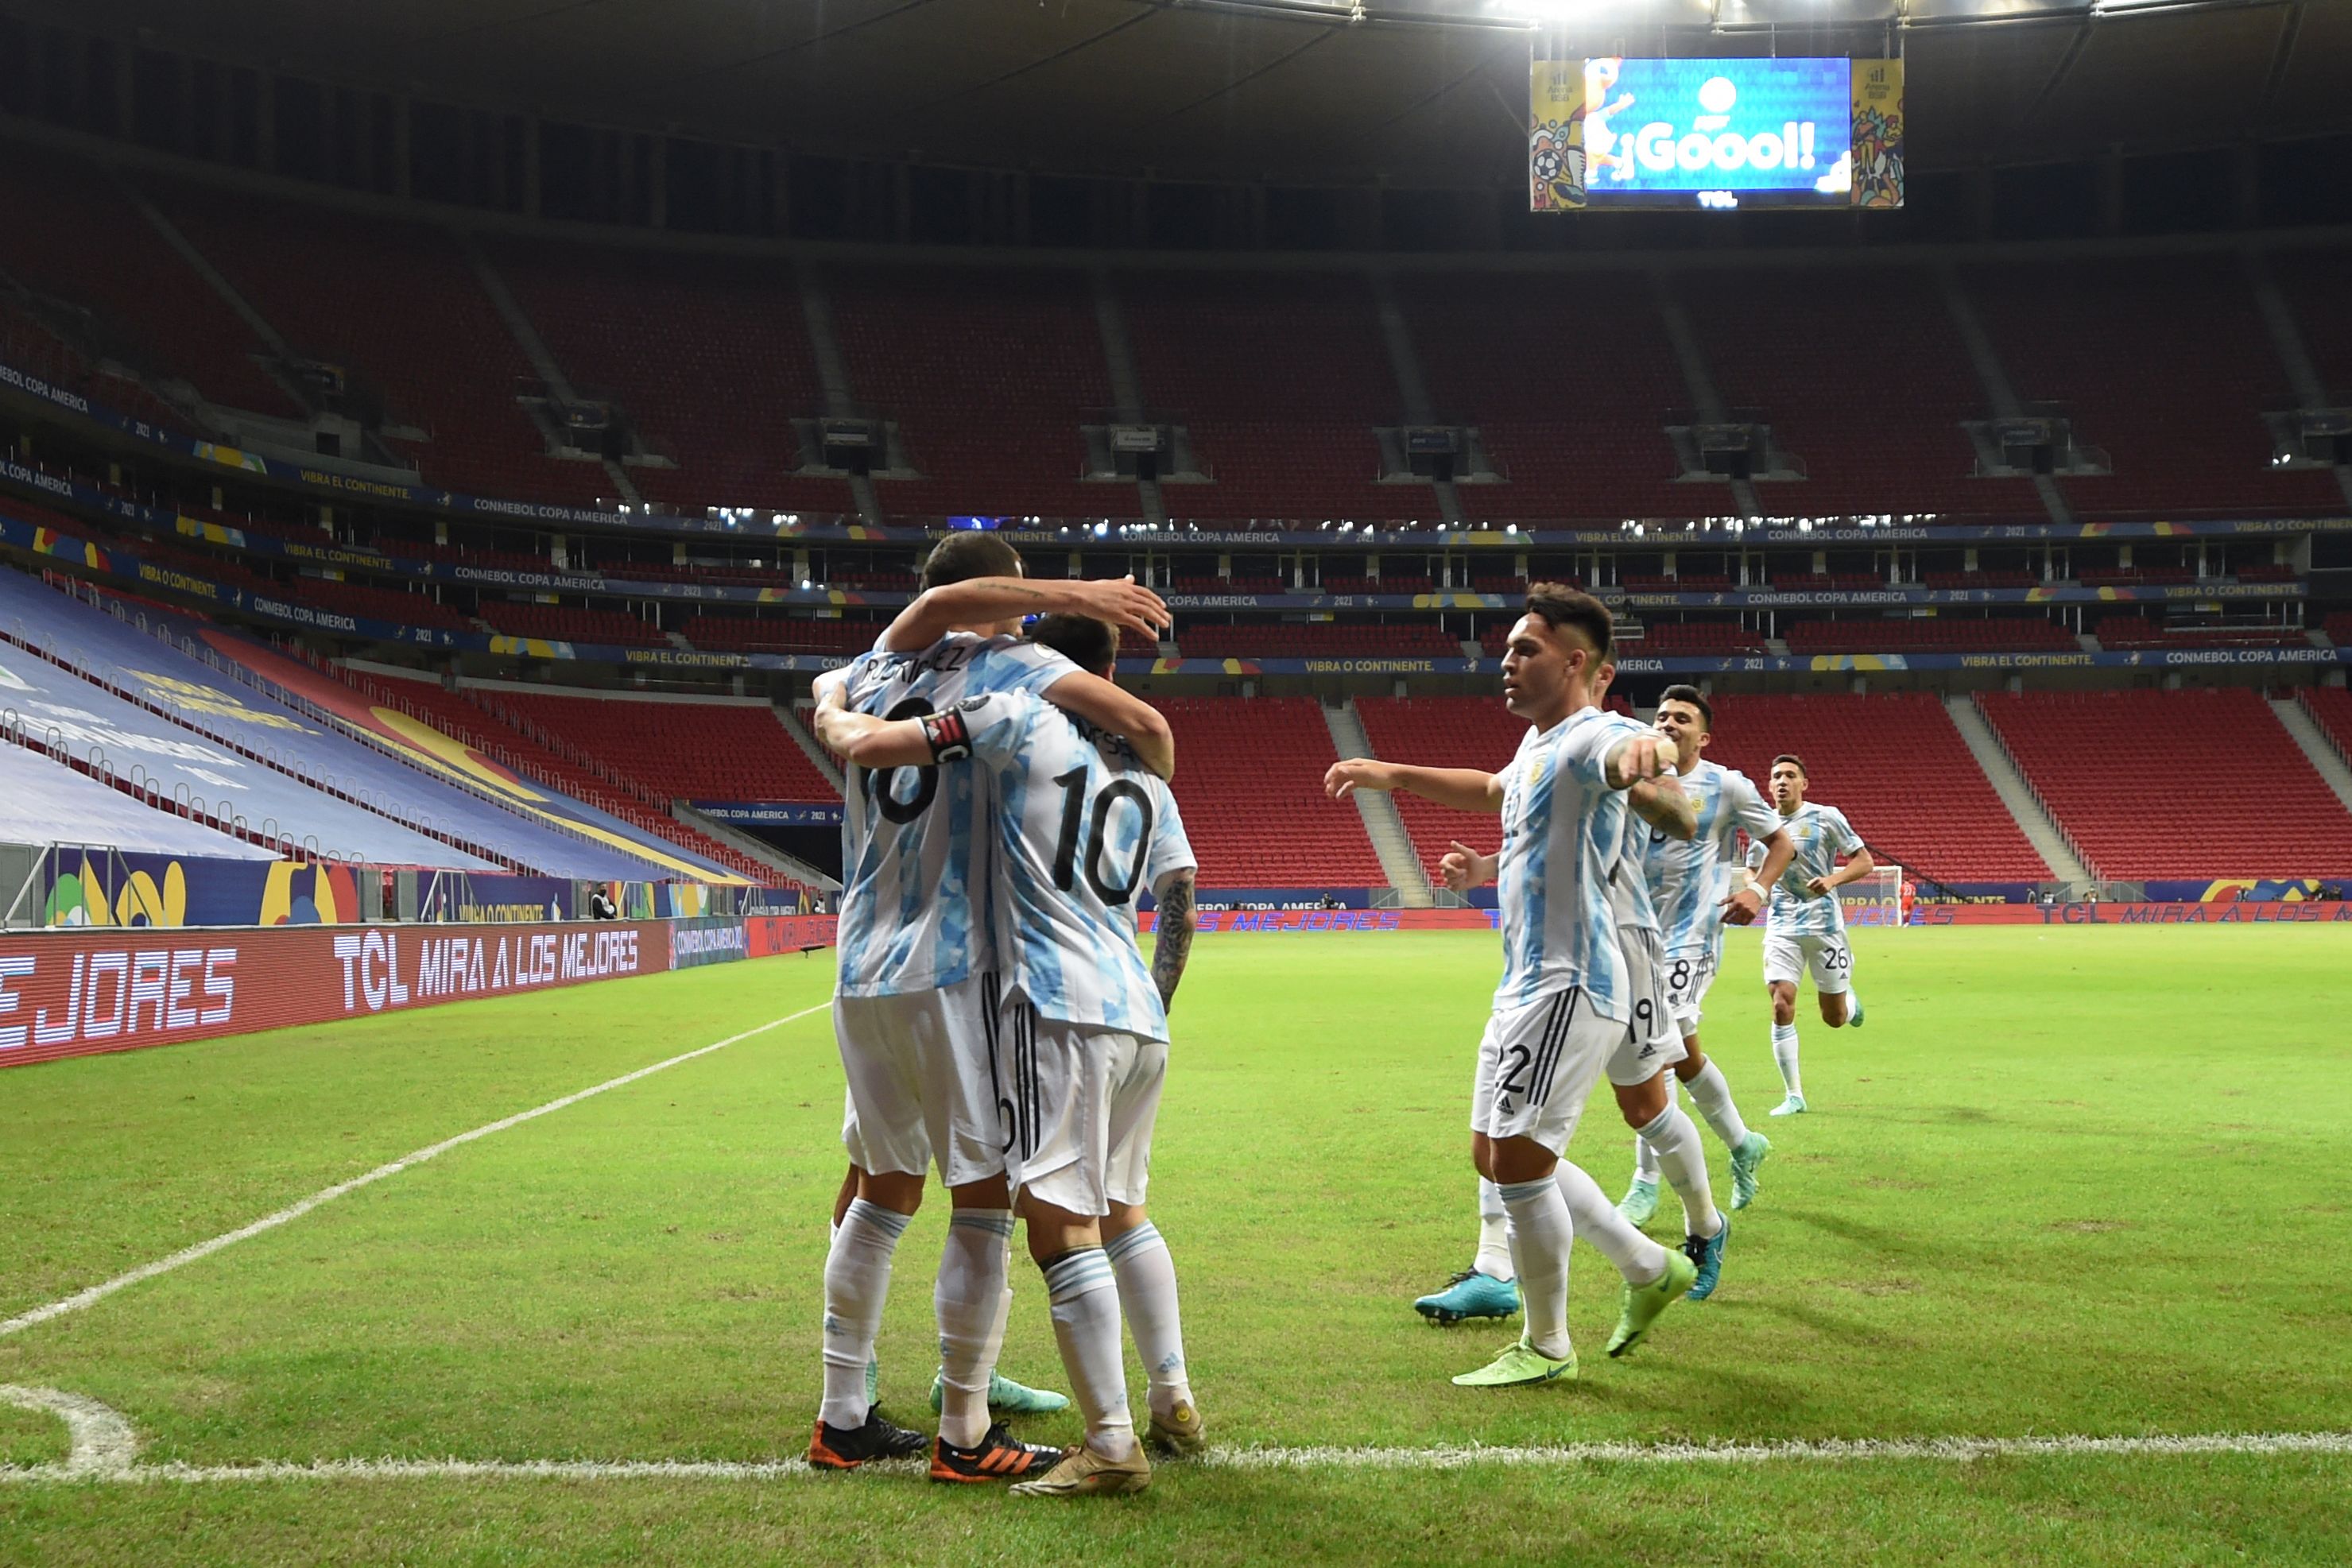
(1555, 604)
(1091, 645)
(1691, 694)
(960, 557)
(1792, 757)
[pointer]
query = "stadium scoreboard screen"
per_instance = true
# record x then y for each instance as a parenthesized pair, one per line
(1717, 134)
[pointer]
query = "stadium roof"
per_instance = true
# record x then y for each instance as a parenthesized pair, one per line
(1414, 92)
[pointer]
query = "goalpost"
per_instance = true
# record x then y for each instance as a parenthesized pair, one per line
(1876, 899)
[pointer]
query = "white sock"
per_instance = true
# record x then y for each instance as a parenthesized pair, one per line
(856, 1283)
(1711, 1092)
(1147, 1294)
(1645, 1161)
(970, 1299)
(1682, 1159)
(1784, 1051)
(1637, 1258)
(1494, 1258)
(1084, 1294)
(1541, 1234)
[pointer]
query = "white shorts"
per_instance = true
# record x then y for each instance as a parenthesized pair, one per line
(919, 1087)
(1826, 958)
(1687, 979)
(1536, 1066)
(1652, 1039)
(1075, 1105)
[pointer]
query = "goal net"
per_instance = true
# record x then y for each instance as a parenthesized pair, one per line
(1876, 899)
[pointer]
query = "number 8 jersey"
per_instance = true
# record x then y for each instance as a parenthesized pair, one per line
(915, 844)
(1083, 827)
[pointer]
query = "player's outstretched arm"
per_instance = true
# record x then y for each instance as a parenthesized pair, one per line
(1464, 789)
(979, 600)
(1854, 870)
(1661, 803)
(1122, 713)
(1171, 941)
(1747, 902)
(1464, 868)
(871, 742)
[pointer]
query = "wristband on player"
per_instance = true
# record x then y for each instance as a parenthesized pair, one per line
(950, 739)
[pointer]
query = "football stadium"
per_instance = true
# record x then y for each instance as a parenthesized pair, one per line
(771, 768)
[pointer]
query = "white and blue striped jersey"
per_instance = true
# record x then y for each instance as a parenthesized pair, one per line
(1689, 877)
(915, 841)
(1083, 827)
(1819, 834)
(1629, 888)
(1563, 831)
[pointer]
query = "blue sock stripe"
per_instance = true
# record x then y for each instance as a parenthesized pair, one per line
(1146, 1235)
(1079, 1272)
(1520, 1192)
(887, 1220)
(998, 1220)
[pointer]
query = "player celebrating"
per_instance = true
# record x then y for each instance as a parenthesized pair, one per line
(1563, 1009)
(917, 988)
(1079, 1058)
(1805, 928)
(1685, 879)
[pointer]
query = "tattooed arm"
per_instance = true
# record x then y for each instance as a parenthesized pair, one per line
(1173, 944)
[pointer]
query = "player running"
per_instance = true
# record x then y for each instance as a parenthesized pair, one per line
(1686, 878)
(1078, 1060)
(917, 990)
(1805, 928)
(1563, 1009)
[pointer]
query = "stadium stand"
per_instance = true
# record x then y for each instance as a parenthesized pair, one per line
(2174, 784)
(1692, 637)
(44, 801)
(705, 751)
(2146, 632)
(1815, 352)
(707, 355)
(395, 306)
(299, 774)
(572, 623)
(2331, 708)
(90, 247)
(1401, 639)
(2339, 629)
(1442, 732)
(988, 375)
(1896, 767)
(2165, 364)
(1249, 780)
(1281, 377)
(1515, 355)
(781, 633)
(1905, 635)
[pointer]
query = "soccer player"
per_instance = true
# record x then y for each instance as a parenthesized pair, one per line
(1686, 879)
(917, 990)
(1564, 1008)
(1082, 1050)
(1804, 929)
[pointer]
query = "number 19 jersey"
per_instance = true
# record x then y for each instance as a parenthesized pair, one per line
(1083, 827)
(915, 841)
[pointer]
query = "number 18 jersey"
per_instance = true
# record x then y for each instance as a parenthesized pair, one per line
(1083, 827)
(915, 841)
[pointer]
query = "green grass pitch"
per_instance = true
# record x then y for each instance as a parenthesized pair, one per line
(2067, 1182)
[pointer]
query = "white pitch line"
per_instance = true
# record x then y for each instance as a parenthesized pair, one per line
(293, 1211)
(1308, 1459)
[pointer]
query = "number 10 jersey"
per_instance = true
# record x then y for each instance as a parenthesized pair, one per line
(1083, 827)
